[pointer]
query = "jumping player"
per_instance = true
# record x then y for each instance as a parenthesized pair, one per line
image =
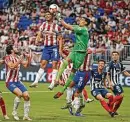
(78, 52)
(50, 32)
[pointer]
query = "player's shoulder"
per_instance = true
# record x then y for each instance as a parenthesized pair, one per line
(111, 63)
(6, 57)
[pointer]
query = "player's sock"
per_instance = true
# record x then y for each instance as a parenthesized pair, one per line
(39, 75)
(61, 69)
(81, 99)
(110, 103)
(76, 103)
(105, 105)
(118, 103)
(16, 103)
(54, 73)
(69, 95)
(26, 108)
(117, 98)
(2, 105)
(69, 80)
(85, 94)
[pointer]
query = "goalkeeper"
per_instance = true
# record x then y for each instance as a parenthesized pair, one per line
(78, 52)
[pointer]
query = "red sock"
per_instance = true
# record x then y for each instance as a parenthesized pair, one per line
(85, 94)
(117, 98)
(105, 106)
(2, 105)
(117, 104)
(111, 103)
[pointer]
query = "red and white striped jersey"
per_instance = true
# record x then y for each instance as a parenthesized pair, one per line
(50, 32)
(66, 72)
(11, 74)
(87, 61)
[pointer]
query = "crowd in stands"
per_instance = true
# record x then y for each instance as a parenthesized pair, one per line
(109, 21)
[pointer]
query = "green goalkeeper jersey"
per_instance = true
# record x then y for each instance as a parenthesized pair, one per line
(82, 38)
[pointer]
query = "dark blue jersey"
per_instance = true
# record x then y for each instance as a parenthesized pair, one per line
(114, 69)
(97, 80)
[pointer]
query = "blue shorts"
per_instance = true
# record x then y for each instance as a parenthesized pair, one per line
(117, 89)
(96, 92)
(12, 85)
(80, 79)
(50, 53)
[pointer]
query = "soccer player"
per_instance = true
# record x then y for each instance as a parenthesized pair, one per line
(81, 77)
(98, 77)
(114, 69)
(78, 52)
(12, 64)
(50, 32)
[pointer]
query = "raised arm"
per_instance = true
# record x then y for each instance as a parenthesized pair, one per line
(26, 62)
(67, 26)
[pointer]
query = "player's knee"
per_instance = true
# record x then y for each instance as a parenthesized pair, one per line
(19, 95)
(76, 94)
(54, 65)
(100, 98)
(26, 97)
(43, 64)
(108, 95)
(122, 95)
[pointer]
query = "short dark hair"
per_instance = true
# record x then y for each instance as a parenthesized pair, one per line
(115, 52)
(48, 12)
(8, 49)
(101, 60)
(87, 20)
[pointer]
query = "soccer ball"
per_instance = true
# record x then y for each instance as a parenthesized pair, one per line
(53, 8)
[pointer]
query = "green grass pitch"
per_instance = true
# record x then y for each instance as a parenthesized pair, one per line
(46, 109)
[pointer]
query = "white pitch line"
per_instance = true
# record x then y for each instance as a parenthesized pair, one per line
(30, 92)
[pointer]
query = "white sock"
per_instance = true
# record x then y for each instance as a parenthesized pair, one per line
(39, 75)
(81, 99)
(69, 95)
(54, 73)
(16, 103)
(26, 108)
(76, 103)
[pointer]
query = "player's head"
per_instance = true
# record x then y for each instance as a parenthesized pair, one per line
(82, 21)
(48, 16)
(115, 56)
(11, 49)
(101, 64)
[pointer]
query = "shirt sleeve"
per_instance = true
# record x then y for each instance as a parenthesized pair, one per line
(6, 60)
(122, 68)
